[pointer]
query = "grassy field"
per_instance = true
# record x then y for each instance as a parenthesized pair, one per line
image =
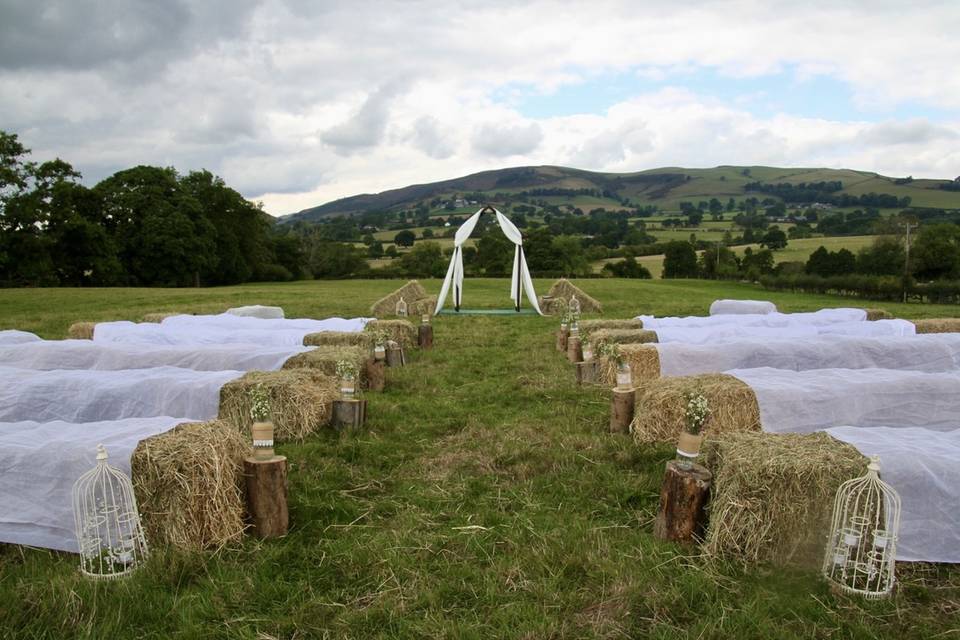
(485, 500)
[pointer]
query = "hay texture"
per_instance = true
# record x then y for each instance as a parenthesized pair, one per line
(422, 307)
(160, 316)
(400, 331)
(339, 339)
(561, 292)
(188, 485)
(660, 413)
(301, 401)
(878, 314)
(410, 292)
(588, 326)
(644, 361)
(938, 325)
(622, 336)
(325, 359)
(772, 494)
(81, 330)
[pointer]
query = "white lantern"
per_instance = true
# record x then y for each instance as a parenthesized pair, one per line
(624, 377)
(401, 307)
(574, 306)
(862, 546)
(108, 527)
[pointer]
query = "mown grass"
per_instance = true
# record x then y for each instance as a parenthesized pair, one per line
(485, 500)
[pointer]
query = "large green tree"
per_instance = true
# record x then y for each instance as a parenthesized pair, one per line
(679, 260)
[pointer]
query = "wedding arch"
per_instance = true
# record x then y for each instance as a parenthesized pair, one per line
(520, 278)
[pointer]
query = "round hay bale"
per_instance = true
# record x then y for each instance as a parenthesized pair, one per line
(387, 305)
(159, 316)
(188, 485)
(81, 330)
(660, 413)
(938, 325)
(324, 359)
(301, 401)
(772, 494)
(878, 314)
(400, 331)
(339, 339)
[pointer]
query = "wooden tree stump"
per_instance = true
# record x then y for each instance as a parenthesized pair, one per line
(621, 410)
(425, 336)
(349, 414)
(376, 371)
(683, 497)
(267, 495)
(587, 372)
(395, 356)
(562, 339)
(574, 352)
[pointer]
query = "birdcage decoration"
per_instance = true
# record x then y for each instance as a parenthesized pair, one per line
(574, 305)
(109, 535)
(402, 307)
(862, 546)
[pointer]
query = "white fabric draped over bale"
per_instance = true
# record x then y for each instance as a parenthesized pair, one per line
(924, 467)
(257, 311)
(774, 319)
(12, 336)
(808, 401)
(722, 307)
(734, 332)
(222, 329)
(41, 461)
(106, 356)
(520, 277)
(90, 396)
(929, 352)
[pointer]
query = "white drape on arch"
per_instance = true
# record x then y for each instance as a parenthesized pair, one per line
(520, 278)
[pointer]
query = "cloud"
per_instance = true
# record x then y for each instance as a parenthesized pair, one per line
(902, 133)
(365, 128)
(429, 138)
(502, 141)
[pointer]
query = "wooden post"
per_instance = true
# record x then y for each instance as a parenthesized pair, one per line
(683, 497)
(562, 339)
(376, 371)
(574, 352)
(395, 356)
(267, 495)
(621, 410)
(587, 372)
(425, 336)
(349, 414)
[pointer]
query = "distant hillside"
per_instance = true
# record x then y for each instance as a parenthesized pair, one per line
(664, 187)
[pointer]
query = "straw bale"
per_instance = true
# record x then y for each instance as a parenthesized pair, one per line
(422, 307)
(387, 305)
(587, 326)
(938, 325)
(772, 494)
(400, 331)
(622, 336)
(301, 401)
(644, 361)
(565, 289)
(878, 314)
(552, 306)
(188, 485)
(339, 339)
(159, 316)
(660, 413)
(81, 330)
(324, 359)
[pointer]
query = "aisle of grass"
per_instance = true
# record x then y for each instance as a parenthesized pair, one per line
(485, 500)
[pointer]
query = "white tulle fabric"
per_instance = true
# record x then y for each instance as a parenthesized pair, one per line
(12, 336)
(721, 307)
(773, 319)
(734, 332)
(924, 467)
(929, 352)
(41, 461)
(257, 311)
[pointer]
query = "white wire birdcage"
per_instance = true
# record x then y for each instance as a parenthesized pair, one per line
(402, 307)
(109, 533)
(862, 546)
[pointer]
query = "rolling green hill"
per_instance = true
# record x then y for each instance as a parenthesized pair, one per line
(664, 187)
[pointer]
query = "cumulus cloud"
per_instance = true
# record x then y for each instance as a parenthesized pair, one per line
(429, 138)
(504, 140)
(367, 126)
(910, 132)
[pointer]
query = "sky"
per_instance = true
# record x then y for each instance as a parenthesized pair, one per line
(298, 102)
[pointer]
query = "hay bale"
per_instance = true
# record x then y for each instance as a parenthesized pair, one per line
(622, 336)
(644, 361)
(159, 316)
(552, 306)
(773, 494)
(188, 485)
(938, 325)
(878, 314)
(588, 326)
(81, 330)
(400, 331)
(324, 359)
(660, 413)
(301, 401)
(387, 305)
(339, 339)
(564, 289)
(422, 307)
